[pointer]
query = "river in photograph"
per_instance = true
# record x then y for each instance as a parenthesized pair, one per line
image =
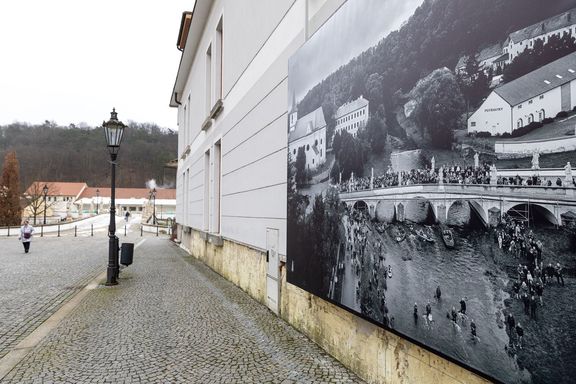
(418, 268)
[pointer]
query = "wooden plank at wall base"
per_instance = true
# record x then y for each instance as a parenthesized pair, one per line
(374, 354)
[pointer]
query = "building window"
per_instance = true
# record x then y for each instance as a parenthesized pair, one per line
(217, 190)
(520, 106)
(316, 142)
(218, 62)
(520, 123)
(320, 141)
(294, 151)
(307, 147)
(541, 97)
(207, 190)
(530, 102)
(473, 124)
(208, 80)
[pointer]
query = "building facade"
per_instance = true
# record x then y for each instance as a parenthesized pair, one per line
(525, 38)
(533, 97)
(309, 133)
(352, 116)
(231, 95)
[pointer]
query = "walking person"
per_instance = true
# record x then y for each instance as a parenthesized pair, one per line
(26, 232)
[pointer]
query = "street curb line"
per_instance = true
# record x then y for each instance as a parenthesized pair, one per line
(12, 358)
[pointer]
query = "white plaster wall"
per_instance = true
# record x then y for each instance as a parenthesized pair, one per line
(551, 103)
(543, 146)
(309, 140)
(493, 116)
(248, 26)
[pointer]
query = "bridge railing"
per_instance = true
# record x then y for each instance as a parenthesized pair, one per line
(485, 189)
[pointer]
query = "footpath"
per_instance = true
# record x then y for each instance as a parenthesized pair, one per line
(170, 320)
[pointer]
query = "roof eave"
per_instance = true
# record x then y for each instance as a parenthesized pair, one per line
(198, 19)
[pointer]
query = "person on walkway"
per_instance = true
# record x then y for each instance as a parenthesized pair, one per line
(438, 294)
(26, 232)
(520, 333)
(473, 330)
(559, 274)
(463, 306)
(533, 305)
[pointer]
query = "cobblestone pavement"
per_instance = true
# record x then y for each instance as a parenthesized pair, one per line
(35, 285)
(173, 320)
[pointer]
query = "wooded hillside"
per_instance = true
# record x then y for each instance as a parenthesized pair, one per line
(437, 35)
(53, 153)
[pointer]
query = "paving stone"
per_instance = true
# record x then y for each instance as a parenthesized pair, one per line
(173, 320)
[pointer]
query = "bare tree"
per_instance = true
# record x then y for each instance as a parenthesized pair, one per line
(34, 198)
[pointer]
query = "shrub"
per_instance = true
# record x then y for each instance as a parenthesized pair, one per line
(526, 129)
(562, 114)
(548, 120)
(506, 135)
(483, 134)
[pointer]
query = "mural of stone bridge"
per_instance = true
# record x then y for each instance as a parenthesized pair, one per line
(456, 204)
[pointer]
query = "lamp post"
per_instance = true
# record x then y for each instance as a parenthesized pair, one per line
(97, 200)
(45, 192)
(114, 130)
(153, 197)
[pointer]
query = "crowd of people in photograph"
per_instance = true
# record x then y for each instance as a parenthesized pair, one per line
(367, 254)
(454, 174)
(515, 239)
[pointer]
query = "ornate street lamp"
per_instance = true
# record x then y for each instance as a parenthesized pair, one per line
(97, 200)
(114, 130)
(153, 197)
(45, 192)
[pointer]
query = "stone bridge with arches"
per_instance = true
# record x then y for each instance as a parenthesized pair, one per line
(440, 202)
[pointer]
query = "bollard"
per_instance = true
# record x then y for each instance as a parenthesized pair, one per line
(92, 230)
(8, 231)
(42, 231)
(156, 231)
(141, 230)
(58, 230)
(75, 230)
(124, 230)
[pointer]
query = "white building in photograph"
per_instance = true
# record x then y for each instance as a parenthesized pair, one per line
(309, 132)
(533, 97)
(525, 38)
(352, 116)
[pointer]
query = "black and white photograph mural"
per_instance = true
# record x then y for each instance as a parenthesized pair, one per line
(431, 189)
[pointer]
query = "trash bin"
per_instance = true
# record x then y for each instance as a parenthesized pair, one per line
(126, 253)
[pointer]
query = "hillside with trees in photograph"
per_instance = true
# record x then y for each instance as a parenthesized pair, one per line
(69, 153)
(437, 35)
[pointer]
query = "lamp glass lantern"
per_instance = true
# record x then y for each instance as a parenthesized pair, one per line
(114, 131)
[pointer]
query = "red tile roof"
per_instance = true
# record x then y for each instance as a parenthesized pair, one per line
(56, 188)
(129, 193)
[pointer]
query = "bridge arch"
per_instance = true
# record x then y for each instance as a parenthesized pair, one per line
(460, 213)
(385, 211)
(418, 210)
(360, 205)
(532, 213)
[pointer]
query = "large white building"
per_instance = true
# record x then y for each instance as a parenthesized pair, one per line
(525, 38)
(533, 97)
(309, 132)
(231, 94)
(352, 116)
(501, 54)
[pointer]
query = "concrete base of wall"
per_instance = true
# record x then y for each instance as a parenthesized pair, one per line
(374, 354)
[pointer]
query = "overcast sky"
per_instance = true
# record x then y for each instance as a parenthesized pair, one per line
(71, 61)
(358, 25)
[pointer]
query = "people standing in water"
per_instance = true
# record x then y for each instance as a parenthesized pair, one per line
(26, 232)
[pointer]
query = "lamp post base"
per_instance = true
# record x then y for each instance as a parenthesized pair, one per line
(112, 271)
